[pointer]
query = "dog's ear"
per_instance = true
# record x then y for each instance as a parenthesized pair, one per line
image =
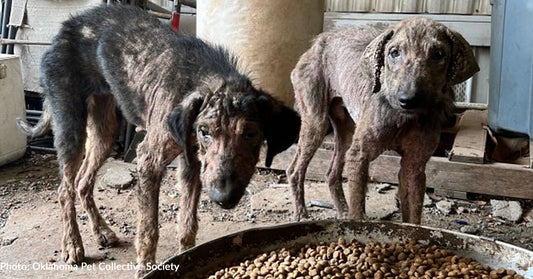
(373, 58)
(463, 63)
(180, 123)
(281, 126)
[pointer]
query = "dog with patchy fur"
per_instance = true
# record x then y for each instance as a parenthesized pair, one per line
(187, 95)
(378, 90)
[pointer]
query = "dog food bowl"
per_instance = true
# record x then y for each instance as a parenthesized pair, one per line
(235, 247)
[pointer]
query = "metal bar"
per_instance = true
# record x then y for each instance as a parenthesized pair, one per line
(22, 42)
(5, 20)
(11, 35)
(47, 149)
(29, 111)
(160, 15)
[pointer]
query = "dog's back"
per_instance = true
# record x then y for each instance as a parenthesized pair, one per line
(335, 55)
(125, 51)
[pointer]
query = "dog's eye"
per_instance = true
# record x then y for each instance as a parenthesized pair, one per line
(437, 54)
(250, 134)
(394, 53)
(204, 134)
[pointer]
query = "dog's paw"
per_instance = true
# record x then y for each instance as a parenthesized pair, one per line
(185, 244)
(140, 271)
(72, 252)
(106, 237)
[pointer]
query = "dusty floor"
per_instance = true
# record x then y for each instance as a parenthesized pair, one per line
(30, 227)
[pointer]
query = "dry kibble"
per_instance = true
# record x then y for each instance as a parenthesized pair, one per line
(342, 259)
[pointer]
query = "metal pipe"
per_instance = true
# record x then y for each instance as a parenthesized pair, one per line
(22, 42)
(39, 148)
(11, 35)
(160, 15)
(6, 12)
(29, 111)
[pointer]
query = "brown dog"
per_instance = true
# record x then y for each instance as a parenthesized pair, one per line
(379, 90)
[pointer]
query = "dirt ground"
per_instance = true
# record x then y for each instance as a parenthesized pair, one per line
(30, 227)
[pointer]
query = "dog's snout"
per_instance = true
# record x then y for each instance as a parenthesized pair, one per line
(225, 193)
(222, 198)
(407, 100)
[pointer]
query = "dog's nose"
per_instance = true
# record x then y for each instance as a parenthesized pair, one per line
(222, 198)
(407, 101)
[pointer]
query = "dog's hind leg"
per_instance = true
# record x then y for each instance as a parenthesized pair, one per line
(311, 99)
(189, 180)
(343, 128)
(70, 117)
(101, 128)
(314, 129)
(154, 153)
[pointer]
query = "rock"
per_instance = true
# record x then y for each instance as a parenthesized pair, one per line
(118, 175)
(509, 210)
(427, 200)
(470, 229)
(8, 241)
(383, 187)
(445, 206)
(528, 216)
(461, 210)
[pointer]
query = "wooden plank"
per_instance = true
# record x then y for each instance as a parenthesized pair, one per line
(469, 144)
(317, 167)
(466, 106)
(451, 194)
(496, 179)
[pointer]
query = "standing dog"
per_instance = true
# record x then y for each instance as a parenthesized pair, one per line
(379, 90)
(188, 96)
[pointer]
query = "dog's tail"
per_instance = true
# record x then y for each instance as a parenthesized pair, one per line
(41, 128)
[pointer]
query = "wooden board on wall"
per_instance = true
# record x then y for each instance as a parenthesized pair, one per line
(496, 179)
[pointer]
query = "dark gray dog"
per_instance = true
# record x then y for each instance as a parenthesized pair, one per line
(188, 96)
(379, 90)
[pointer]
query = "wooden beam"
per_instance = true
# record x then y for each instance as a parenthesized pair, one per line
(496, 179)
(469, 144)
(316, 170)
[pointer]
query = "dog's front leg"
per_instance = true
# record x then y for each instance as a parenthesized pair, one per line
(357, 166)
(154, 153)
(189, 179)
(412, 186)
(416, 150)
(147, 226)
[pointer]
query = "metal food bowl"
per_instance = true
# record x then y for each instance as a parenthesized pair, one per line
(219, 253)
